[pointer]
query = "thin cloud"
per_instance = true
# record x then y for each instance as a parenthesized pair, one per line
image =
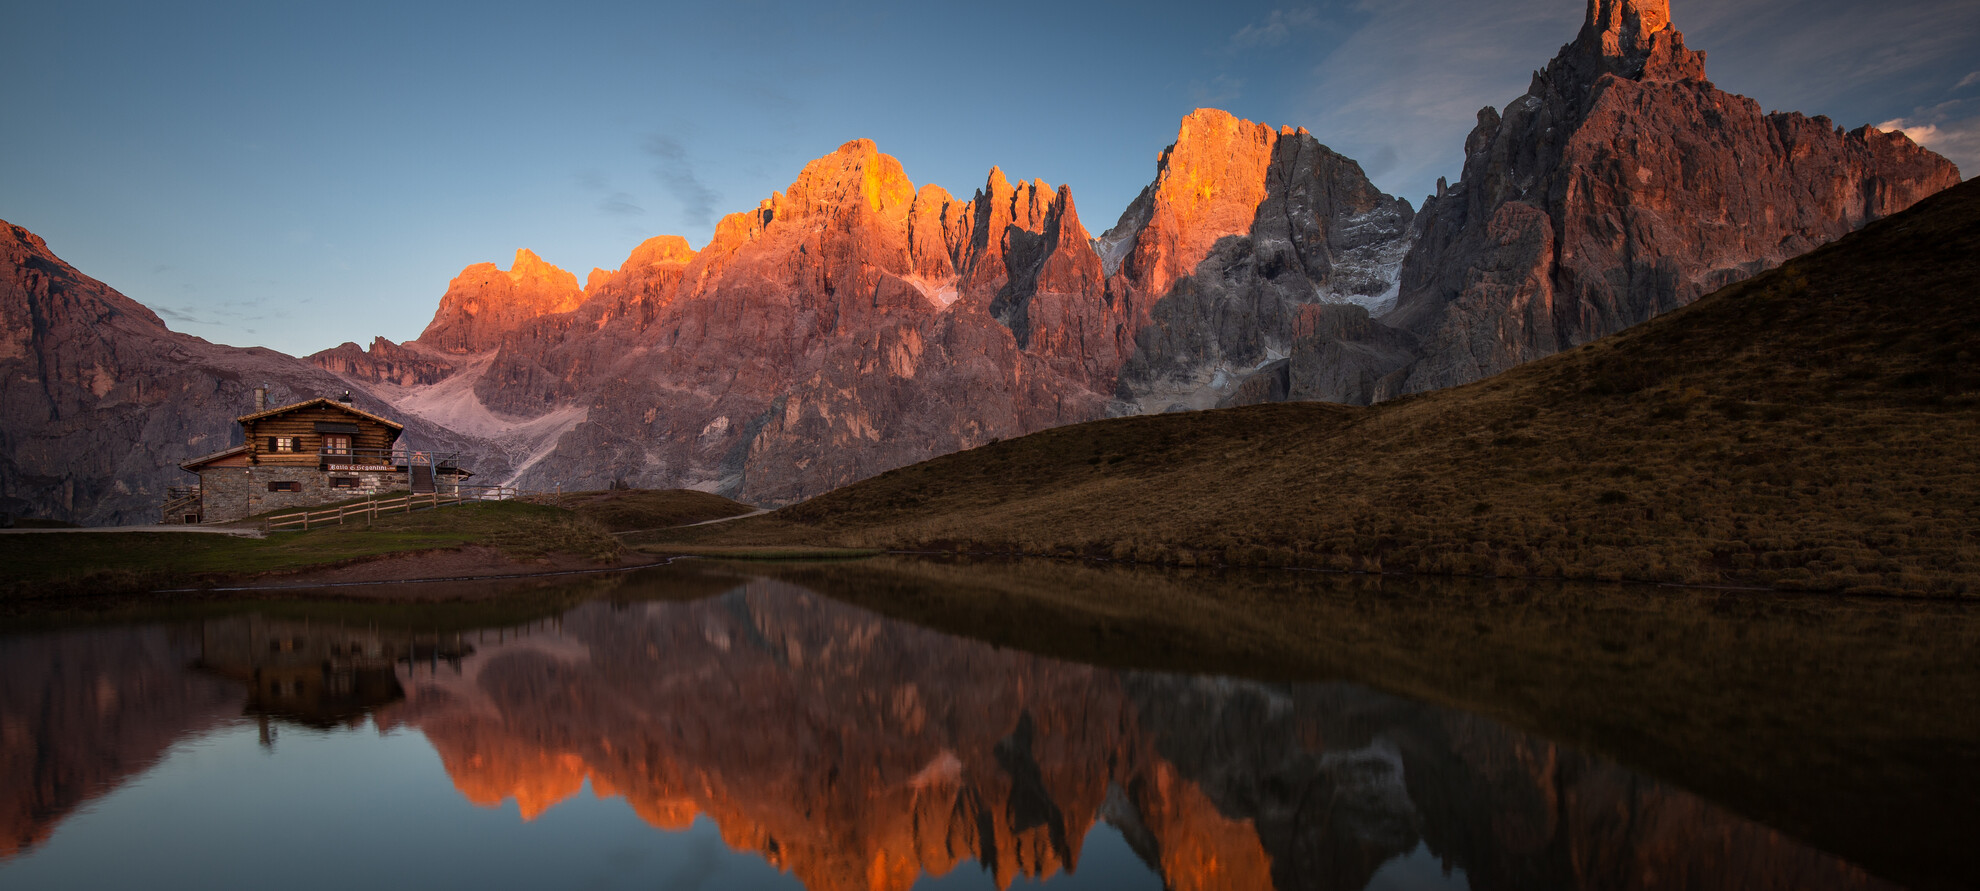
(677, 174)
(1278, 27)
(1403, 90)
(1221, 90)
(620, 204)
(178, 315)
(1940, 129)
(1968, 81)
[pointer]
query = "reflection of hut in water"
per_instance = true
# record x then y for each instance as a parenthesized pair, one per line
(319, 674)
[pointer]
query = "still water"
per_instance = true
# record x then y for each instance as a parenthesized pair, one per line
(710, 728)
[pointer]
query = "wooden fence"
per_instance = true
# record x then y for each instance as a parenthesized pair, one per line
(404, 504)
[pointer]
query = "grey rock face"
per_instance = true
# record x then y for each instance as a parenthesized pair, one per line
(1623, 185)
(1322, 240)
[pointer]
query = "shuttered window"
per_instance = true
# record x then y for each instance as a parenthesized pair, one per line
(290, 486)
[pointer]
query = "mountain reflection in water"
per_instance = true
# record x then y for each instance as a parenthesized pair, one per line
(857, 752)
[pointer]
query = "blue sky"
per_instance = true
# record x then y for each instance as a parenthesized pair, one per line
(295, 176)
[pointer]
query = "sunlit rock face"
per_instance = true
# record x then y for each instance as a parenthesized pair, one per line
(859, 753)
(384, 362)
(100, 402)
(850, 324)
(1620, 186)
(854, 322)
(1246, 232)
(485, 302)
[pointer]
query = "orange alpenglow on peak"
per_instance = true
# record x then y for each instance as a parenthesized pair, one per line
(1635, 18)
(828, 185)
(485, 302)
(1208, 185)
(1636, 38)
(659, 250)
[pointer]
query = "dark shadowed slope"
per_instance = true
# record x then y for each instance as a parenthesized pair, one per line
(1814, 427)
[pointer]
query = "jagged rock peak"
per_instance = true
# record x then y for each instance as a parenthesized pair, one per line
(484, 302)
(1630, 20)
(659, 250)
(1635, 38)
(857, 173)
(1208, 185)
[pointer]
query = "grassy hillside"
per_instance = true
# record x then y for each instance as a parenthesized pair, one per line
(1816, 427)
(44, 567)
(630, 510)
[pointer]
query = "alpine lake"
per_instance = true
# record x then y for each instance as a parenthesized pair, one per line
(899, 722)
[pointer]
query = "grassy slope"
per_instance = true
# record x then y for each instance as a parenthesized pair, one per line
(92, 563)
(628, 510)
(1815, 427)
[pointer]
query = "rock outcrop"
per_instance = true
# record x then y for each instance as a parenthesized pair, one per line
(848, 325)
(485, 302)
(1244, 232)
(855, 322)
(385, 362)
(1622, 185)
(100, 402)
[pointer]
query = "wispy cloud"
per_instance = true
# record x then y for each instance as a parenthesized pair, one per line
(1277, 28)
(182, 316)
(1950, 128)
(676, 173)
(621, 204)
(1968, 81)
(1220, 90)
(1402, 91)
(1763, 48)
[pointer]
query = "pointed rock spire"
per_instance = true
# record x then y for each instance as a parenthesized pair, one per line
(1635, 38)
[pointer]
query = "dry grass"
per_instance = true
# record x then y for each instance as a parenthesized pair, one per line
(628, 510)
(44, 567)
(1813, 428)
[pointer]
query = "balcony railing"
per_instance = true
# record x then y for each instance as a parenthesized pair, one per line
(397, 459)
(393, 458)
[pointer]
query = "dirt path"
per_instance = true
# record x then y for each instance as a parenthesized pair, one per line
(755, 513)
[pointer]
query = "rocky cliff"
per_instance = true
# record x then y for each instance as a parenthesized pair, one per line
(849, 324)
(1620, 186)
(1246, 231)
(855, 322)
(100, 402)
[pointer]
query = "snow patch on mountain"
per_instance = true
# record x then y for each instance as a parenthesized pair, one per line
(452, 404)
(1206, 386)
(1369, 274)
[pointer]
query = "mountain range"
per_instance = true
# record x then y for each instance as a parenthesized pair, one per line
(856, 322)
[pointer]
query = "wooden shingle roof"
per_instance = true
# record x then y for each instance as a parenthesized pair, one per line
(323, 401)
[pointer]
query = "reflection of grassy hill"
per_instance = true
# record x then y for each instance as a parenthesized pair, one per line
(1814, 427)
(1835, 720)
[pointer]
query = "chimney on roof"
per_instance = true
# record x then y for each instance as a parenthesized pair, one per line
(261, 398)
(346, 398)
